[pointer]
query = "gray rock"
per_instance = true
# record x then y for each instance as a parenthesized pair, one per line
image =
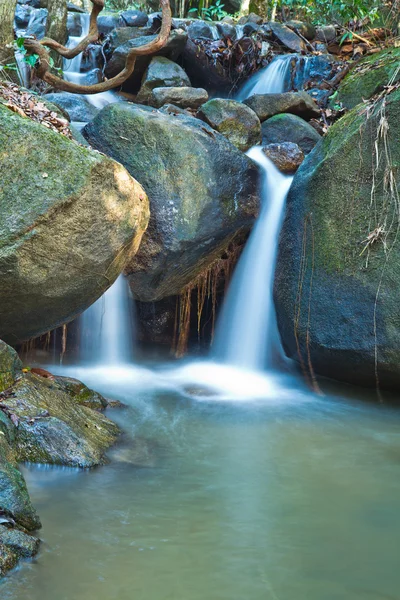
(289, 128)
(202, 190)
(172, 50)
(106, 23)
(133, 18)
(184, 97)
(37, 23)
(295, 103)
(327, 33)
(161, 73)
(122, 35)
(236, 121)
(22, 544)
(227, 31)
(8, 559)
(305, 29)
(75, 105)
(10, 365)
(287, 37)
(287, 157)
(200, 29)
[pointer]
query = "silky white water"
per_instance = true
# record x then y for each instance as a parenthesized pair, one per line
(271, 80)
(107, 328)
(246, 331)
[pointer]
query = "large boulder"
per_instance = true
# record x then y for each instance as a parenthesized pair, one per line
(172, 50)
(183, 97)
(369, 76)
(236, 121)
(295, 103)
(69, 220)
(161, 72)
(202, 191)
(338, 270)
(290, 128)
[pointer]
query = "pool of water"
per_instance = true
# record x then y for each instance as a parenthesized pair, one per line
(282, 495)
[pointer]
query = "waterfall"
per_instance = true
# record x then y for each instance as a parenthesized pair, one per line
(106, 328)
(72, 68)
(247, 333)
(271, 80)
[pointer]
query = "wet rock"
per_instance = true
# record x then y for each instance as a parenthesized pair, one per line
(305, 29)
(326, 33)
(184, 97)
(287, 37)
(81, 393)
(161, 73)
(289, 128)
(133, 18)
(53, 428)
(250, 29)
(200, 29)
(202, 191)
(22, 16)
(295, 103)
(287, 157)
(156, 321)
(347, 272)
(74, 8)
(227, 31)
(93, 58)
(236, 121)
(22, 544)
(122, 35)
(203, 71)
(368, 77)
(10, 366)
(172, 50)
(52, 265)
(106, 23)
(8, 559)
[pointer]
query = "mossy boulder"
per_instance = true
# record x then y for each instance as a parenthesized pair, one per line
(69, 220)
(368, 77)
(53, 428)
(202, 192)
(81, 393)
(289, 128)
(337, 279)
(236, 121)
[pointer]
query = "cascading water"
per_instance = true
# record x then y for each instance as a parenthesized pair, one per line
(271, 80)
(106, 328)
(246, 333)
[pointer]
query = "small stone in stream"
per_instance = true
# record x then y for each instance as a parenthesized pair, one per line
(22, 544)
(287, 37)
(184, 97)
(295, 103)
(236, 121)
(287, 157)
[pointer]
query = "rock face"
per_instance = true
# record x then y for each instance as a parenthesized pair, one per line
(238, 123)
(172, 50)
(289, 128)
(53, 264)
(202, 190)
(295, 103)
(184, 97)
(287, 157)
(161, 72)
(77, 107)
(347, 259)
(369, 76)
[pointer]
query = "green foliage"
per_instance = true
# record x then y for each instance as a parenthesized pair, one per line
(334, 11)
(215, 12)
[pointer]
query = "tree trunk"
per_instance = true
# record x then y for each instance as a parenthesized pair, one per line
(56, 25)
(274, 9)
(7, 11)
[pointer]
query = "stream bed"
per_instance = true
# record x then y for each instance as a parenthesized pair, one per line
(290, 497)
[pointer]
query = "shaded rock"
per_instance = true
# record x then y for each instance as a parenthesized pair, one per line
(121, 35)
(369, 76)
(238, 123)
(295, 103)
(184, 97)
(352, 328)
(22, 544)
(227, 31)
(287, 157)
(326, 33)
(202, 190)
(200, 29)
(203, 71)
(250, 28)
(54, 428)
(52, 265)
(106, 23)
(161, 73)
(75, 105)
(156, 321)
(172, 50)
(10, 365)
(305, 29)
(289, 128)
(133, 18)
(287, 37)
(81, 393)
